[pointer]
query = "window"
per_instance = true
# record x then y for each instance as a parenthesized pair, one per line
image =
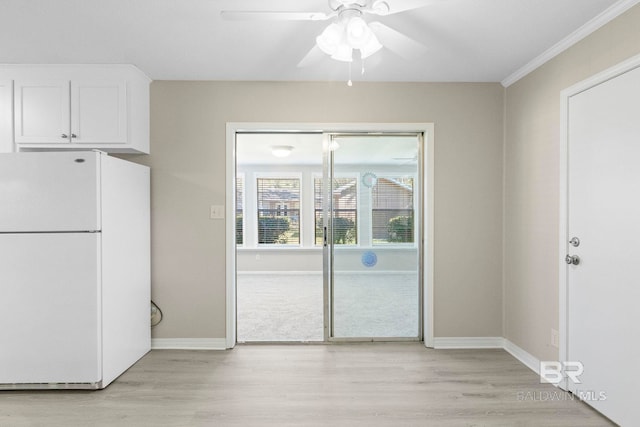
(392, 214)
(345, 204)
(278, 211)
(239, 210)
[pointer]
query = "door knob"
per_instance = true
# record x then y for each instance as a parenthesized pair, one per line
(572, 259)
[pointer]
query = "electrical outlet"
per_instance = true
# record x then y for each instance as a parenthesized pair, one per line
(216, 212)
(555, 338)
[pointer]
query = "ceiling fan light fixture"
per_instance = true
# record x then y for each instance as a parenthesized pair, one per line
(343, 53)
(358, 32)
(372, 46)
(380, 7)
(330, 38)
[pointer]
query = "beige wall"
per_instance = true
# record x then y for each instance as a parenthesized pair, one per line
(531, 180)
(188, 174)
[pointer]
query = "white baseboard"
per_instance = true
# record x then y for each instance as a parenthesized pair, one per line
(524, 357)
(188, 344)
(527, 359)
(467, 342)
(440, 343)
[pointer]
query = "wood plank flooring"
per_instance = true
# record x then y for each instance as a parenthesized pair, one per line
(375, 384)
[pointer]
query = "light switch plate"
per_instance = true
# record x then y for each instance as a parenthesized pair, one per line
(216, 212)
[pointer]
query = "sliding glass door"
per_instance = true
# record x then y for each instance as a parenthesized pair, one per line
(370, 226)
(328, 236)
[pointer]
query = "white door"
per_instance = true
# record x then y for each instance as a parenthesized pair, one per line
(49, 191)
(50, 309)
(42, 112)
(98, 112)
(604, 214)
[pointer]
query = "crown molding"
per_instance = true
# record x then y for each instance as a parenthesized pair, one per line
(599, 21)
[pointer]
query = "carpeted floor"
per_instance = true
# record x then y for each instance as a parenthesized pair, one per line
(289, 307)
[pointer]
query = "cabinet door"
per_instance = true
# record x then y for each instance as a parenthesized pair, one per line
(6, 116)
(42, 112)
(98, 112)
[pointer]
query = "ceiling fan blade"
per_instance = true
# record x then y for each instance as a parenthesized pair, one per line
(397, 42)
(241, 15)
(312, 57)
(389, 7)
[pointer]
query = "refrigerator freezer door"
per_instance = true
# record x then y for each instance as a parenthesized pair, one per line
(50, 191)
(50, 308)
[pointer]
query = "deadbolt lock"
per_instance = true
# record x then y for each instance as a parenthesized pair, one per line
(572, 259)
(575, 242)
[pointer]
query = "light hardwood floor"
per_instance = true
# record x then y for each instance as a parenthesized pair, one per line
(381, 384)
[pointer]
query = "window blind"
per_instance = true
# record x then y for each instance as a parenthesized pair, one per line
(239, 210)
(345, 215)
(392, 210)
(278, 210)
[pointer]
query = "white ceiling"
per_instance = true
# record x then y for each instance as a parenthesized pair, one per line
(467, 40)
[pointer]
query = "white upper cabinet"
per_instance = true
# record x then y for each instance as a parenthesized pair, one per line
(42, 112)
(99, 112)
(80, 107)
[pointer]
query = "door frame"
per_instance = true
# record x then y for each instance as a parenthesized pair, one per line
(563, 236)
(427, 129)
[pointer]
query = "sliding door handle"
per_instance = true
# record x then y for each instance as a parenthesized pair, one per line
(324, 237)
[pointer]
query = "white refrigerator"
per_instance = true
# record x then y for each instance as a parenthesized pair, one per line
(74, 269)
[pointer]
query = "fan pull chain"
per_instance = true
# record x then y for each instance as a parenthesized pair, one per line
(349, 83)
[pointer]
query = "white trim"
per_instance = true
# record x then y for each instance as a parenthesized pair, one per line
(524, 357)
(563, 214)
(74, 67)
(563, 222)
(428, 215)
(594, 24)
(452, 343)
(189, 344)
(601, 77)
(504, 214)
(441, 343)
(233, 127)
(230, 238)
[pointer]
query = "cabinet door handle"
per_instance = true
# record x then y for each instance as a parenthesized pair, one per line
(73, 135)
(64, 135)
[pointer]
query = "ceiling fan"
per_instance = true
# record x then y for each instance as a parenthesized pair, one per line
(348, 30)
